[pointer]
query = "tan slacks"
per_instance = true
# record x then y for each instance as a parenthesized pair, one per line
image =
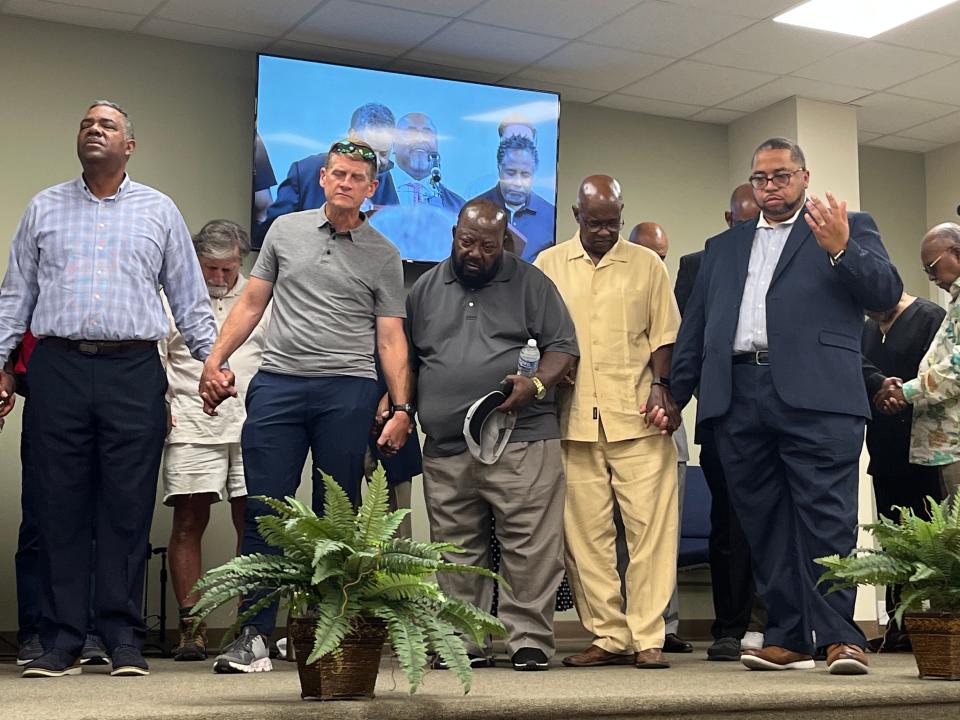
(524, 490)
(641, 475)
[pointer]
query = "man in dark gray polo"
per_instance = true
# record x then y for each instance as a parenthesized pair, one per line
(337, 290)
(467, 319)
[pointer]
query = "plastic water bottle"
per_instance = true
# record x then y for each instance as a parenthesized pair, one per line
(529, 361)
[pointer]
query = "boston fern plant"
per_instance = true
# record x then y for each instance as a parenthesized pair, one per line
(921, 555)
(347, 565)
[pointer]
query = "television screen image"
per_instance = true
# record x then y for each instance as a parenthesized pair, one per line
(439, 143)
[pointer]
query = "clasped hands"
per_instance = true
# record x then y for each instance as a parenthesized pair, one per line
(216, 385)
(889, 399)
(661, 411)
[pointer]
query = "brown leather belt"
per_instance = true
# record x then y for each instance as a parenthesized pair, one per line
(100, 347)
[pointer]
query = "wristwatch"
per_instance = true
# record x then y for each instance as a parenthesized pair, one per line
(661, 380)
(402, 407)
(834, 259)
(541, 388)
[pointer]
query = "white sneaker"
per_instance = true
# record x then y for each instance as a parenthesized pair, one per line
(751, 641)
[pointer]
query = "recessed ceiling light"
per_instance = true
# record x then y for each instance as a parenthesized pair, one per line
(863, 18)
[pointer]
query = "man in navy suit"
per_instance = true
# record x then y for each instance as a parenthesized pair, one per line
(772, 336)
(372, 124)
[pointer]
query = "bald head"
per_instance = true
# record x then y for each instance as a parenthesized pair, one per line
(599, 212)
(599, 188)
(743, 206)
(650, 235)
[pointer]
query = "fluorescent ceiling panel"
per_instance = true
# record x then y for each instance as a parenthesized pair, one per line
(863, 18)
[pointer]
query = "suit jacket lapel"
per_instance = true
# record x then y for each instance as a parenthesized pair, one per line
(744, 243)
(798, 235)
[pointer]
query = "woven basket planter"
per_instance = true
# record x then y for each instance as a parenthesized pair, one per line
(352, 675)
(936, 644)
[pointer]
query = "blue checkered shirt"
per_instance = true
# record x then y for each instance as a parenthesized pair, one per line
(90, 269)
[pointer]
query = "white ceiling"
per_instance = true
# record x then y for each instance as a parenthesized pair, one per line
(706, 60)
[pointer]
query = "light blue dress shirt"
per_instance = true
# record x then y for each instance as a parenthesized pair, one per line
(90, 269)
(768, 243)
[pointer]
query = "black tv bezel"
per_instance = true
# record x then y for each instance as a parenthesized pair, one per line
(423, 263)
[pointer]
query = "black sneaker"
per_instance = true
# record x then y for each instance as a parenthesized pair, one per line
(674, 644)
(725, 648)
(94, 652)
(476, 662)
(128, 662)
(30, 650)
(529, 658)
(53, 663)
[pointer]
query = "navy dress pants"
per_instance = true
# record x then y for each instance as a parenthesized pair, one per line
(793, 476)
(286, 416)
(97, 424)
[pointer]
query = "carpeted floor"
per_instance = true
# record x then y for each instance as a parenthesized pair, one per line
(692, 688)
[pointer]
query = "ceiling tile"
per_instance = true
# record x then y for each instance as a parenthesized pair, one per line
(943, 130)
(718, 116)
(941, 85)
(895, 142)
(560, 18)
(774, 47)
(306, 51)
(204, 35)
(697, 83)
(872, 65)
(936, 32)
(568, 93)
(249, 16)
(450, 8)
(335, 24)
(591, 66)
(885, 113)
(663, 29)
(481, 47)
(74, 15)
(137, 7)
(406, 65)
(747, 8)
(649, 106)
(785, 87)
(863, 137)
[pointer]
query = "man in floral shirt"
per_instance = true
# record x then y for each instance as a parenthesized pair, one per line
(935, 392)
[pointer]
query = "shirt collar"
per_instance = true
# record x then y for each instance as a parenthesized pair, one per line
(508, 268)
(762, 222)
(325, 221)
(955, 289)
(237, 287)
(617, 253)
(124, 187)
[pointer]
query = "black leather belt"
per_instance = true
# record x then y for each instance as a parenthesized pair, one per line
(760, 357)
(100, 347)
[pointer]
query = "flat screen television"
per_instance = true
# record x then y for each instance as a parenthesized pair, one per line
(440, 144)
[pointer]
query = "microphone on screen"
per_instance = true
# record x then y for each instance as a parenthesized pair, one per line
(434, 158)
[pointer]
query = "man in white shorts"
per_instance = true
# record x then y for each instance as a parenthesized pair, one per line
(202, 460)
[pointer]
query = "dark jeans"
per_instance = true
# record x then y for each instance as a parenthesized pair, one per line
(286, 416)
(97, 428)
(27, 559)
(793, 476)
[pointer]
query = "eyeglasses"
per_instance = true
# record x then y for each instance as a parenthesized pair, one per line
(611, 226)
(780, 179)
(928, 269)
(348, 147)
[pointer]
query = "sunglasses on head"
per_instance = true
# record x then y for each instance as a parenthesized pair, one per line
(348, 147)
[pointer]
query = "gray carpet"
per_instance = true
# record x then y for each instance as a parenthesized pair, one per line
(692, 688)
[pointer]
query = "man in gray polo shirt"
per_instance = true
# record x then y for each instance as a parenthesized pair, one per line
(467, 319)
(337, 289)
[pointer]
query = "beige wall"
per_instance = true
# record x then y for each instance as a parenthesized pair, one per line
(192, 107)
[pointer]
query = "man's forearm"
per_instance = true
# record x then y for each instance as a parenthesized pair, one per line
(554, 366)
(396, 371)
(660, 361)
(239, 324)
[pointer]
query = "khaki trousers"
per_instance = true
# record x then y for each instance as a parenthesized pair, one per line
(950, 479)
(524, 490)
(641, 476)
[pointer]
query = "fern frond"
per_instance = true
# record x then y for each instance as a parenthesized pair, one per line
(408, 642)
(370, 518)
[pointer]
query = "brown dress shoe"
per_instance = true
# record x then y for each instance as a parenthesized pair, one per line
(650, 659)
(843, 659)
(772, 657)
(595, 656)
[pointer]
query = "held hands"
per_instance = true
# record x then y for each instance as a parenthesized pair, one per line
(216, 385)
(889, 398)
(828, 221)
(661, 411)
(8, 397)
(395, 431)
(522, 394)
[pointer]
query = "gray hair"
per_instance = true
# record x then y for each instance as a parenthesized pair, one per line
(782, 143)
(221, 239)
(944, 231)
(127, 125)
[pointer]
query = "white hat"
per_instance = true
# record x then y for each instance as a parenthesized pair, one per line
(486, 430)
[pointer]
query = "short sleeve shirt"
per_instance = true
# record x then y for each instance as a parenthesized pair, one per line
(464, 341)
(328, 289)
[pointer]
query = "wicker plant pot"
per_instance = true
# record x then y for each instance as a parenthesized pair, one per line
(351, 676)
(936, 644)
